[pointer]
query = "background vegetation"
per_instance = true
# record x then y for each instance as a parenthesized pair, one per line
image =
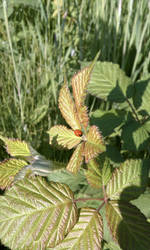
(40, 40)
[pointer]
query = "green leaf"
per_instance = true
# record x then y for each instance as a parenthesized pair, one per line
(76, 159)
(111, 246)
(128, 181)
(8, 170)
(93, 174)
(108, 82)
(15, 147)
(128, 225)
(107, 121)
(143, 203)
(36, 214)
(94, 144)
(106, 172)
(73, 181)
(61, 135)
(135, 136)
(114, 155)
(86, 234)
(141, 96)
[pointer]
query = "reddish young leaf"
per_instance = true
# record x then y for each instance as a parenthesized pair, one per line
(64, 137)
(76, 159)
(94, 144)
(68, 109)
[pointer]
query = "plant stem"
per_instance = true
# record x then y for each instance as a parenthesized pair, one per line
(88, 199)
(99, 208)
(133, 110)
(13, 59)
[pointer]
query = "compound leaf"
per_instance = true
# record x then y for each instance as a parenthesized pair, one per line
(128, 225)
(86, 234)
(36, 214)
(8, 170)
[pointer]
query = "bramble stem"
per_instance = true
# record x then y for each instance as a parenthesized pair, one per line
(88, 199)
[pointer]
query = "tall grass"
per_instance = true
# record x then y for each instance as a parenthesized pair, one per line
(40, 41)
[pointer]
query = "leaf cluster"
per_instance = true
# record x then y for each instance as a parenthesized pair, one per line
(112, 171)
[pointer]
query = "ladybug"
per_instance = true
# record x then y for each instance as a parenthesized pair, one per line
(78, 132)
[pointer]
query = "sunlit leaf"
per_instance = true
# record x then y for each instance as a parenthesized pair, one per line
(79, 84)
(94, 174)
(86, 234)
(128, 225)
(15, 147)
(106, 172)
(108, 81)
(8, 170)
(63, 136)
(111, 246)
(76, 159)
(36, 214)
(67, 108)
(94, 144)
(83, 117)
(128, 181)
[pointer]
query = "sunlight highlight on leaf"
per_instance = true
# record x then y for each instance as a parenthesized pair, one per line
(94, 144)
(63, 136)
(76, 159)
(16, 147)
(79, 84)
(86, 234)
(8, 170)
(93, 174)
(128, 181)
(67, 108)
(36, 214)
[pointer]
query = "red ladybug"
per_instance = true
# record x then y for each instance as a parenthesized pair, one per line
(78, 132)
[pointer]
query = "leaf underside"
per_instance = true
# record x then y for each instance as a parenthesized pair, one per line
(76, 159)
(61, 135)
(15, 147)
(93, 174)
(8, 169)
(94, 144)
(86, 234)
(68, 109)
(36, 214)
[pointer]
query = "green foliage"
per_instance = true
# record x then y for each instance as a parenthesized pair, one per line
(65, 211)
(99, 199)
(40, 40)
